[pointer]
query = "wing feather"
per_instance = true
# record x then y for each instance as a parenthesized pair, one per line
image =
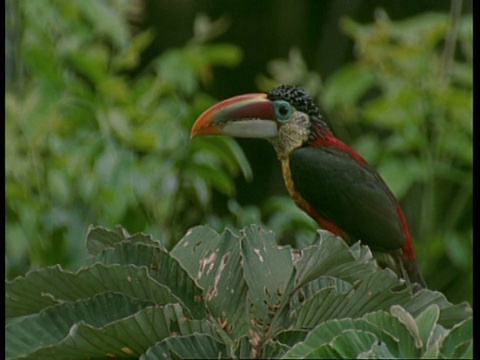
(349, 194)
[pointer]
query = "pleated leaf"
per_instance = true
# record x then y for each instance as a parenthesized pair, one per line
(374, 293)
(195, 346)
(267, 269)
(45, 287)
(346, 345)
(331, 256)
(458, 343)
(53, 324)
(450, 314)
(396, 337)
(313, 287)
(428, 329)
(273, 349)
(214, 262)
(161, 267)
(376, 351)
(100, 238)
(290, 337)
(128, 337)
(225, 296)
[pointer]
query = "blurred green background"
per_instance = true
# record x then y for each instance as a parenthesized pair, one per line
(101, 95)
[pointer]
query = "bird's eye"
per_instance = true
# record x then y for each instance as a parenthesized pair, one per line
(283, 110)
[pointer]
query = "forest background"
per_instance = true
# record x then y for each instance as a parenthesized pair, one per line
(100, 98)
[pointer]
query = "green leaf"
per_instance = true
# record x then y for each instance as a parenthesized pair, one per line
(214, 153)
(320, 336)
(449, 314)
(236, 152)
(376, 351)
(205, 29)
(217, 179)
(197, 242)
(214, 262)
(347, 85)
(91, 63)
(347, 345)
(161, 267)
(222, 54)
(373, 293)
(45, 287)
(393, 333)
(176, 71)
(458, 342)
(195, 346)
(100, 238)
(393, 172)
(128, 337)
(386, 329)
(267, 270)
(427, 324)
(390, 112)
(334, 259)
(291, 337)
(407, 319)
(228, 268)
(273, 350)
(105, 21)
(130, 57)
(52, 324)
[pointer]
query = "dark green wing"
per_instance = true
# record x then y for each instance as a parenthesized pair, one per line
(348, 194)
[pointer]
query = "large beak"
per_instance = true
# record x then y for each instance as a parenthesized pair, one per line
(250, 116)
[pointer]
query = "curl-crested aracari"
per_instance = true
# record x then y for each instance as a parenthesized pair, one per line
(324, 176)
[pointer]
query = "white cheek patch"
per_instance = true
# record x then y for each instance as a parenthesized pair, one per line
(291, 135)
(252, 128)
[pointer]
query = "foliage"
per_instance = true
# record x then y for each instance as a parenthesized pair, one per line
(409, 93)
(89, 138)
(228, 296)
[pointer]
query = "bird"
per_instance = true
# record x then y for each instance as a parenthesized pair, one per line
(324, 176)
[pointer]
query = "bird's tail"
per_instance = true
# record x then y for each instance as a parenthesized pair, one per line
(404, 266)
(411, 268)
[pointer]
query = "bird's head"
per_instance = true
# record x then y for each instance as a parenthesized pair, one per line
(286, 116)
